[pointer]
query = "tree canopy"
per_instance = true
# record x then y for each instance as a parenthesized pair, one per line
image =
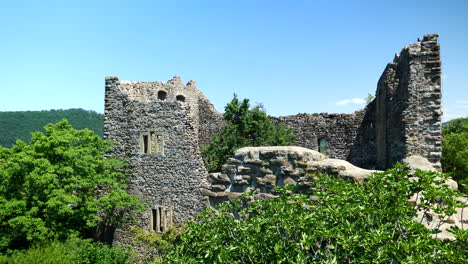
(245, 126)
(60, 185)
(455, 151)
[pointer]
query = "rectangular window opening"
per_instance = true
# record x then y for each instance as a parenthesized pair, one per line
(152, 143)
(161, 219)
(145, 143)
(154, 218)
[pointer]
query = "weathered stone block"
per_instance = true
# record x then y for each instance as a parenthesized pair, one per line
(218, 188)
(289, 181)
(267, 181)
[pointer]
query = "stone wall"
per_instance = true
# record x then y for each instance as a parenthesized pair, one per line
(260, 169)
(408, 105)
(209, 119)
(339, 130)
(404, 118)
(171, 178)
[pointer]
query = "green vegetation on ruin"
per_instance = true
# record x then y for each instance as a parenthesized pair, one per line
(245, 126)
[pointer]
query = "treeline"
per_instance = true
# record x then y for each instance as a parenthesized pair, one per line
(20, 124)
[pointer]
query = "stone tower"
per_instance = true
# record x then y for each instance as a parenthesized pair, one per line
(156, 127)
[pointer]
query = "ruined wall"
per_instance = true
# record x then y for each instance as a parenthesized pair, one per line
(171, 177)
(209, 119)
(363, 151)
(259, 170)
(339, 130)
(404, 118)
(408, 105)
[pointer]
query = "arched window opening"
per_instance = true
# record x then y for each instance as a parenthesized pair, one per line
(180, 98)
(322, 145)
(162, 95)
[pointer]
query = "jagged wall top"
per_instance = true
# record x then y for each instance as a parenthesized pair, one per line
(148, 91)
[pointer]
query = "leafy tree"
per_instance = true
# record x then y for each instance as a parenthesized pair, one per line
(344, 223)
(455, 150)
(245, 126)
(60, 185)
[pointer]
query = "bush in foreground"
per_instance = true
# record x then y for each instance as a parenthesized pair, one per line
(341, 222)
(71, 251)
(58, 186)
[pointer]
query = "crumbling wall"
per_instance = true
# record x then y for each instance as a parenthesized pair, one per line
(363, 150)
(210, 121)
(339, 130)
(171, 178)
(404, 119)
(408, 105)
(259, 170)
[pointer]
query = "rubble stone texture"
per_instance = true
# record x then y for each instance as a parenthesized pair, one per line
(403, 120)
(260, 169)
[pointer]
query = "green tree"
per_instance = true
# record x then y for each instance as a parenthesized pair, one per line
(245, 126)
(345, 222)
(60, 185)
(455, 150)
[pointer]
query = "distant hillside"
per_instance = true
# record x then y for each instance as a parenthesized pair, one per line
(19, 125)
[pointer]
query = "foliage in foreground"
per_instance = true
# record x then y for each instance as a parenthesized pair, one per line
(344, 223)
(72, 251)
(455, 151)
(245, 126)
(153, 243)
(60, 185)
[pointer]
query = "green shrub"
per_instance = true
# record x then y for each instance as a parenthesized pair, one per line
(245, 126)
(72, 251)
(455, 151)
(345, 223)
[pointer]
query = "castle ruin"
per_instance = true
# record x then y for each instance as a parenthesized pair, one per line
(160, 126)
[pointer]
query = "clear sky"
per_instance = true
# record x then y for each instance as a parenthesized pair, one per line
(293, 56)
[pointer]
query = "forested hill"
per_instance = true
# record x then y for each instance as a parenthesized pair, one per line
(20, 124)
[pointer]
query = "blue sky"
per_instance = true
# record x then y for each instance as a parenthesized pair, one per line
(293, 56)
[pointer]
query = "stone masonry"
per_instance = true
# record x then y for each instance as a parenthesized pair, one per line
(260, 169)
(159, 128)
